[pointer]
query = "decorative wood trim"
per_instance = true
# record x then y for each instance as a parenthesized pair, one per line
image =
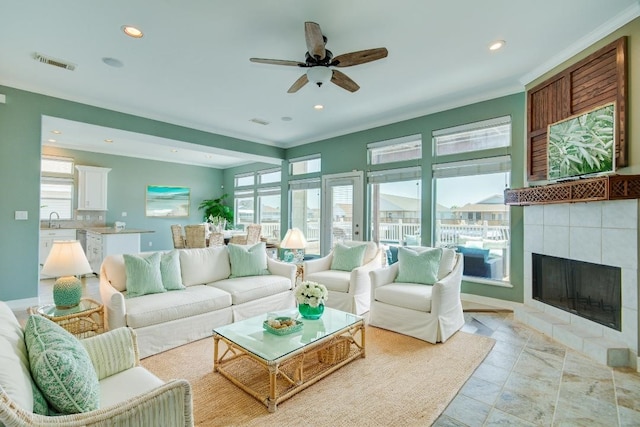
(613, 187)
(598, 79)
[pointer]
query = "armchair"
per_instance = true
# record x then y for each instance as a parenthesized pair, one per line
(428, 312)
(349, 291)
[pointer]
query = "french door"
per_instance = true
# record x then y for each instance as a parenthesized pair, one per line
(342, 214)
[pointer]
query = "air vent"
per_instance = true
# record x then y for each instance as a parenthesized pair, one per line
(53, 61)
(259, 121)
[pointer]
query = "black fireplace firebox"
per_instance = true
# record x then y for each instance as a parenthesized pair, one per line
(592, 291)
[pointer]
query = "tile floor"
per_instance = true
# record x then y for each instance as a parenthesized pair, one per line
(528, 379)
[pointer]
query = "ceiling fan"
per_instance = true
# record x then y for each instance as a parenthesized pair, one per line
(318, 60)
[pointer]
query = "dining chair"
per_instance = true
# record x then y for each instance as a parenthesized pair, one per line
(253, 233)
(178, 236)
(216, 239)
(195, 236)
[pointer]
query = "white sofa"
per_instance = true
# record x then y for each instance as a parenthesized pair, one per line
(431, 313)
(170, 319)
(349, 291)
(129, 394)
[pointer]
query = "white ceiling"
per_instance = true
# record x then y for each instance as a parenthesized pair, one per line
(192, 66)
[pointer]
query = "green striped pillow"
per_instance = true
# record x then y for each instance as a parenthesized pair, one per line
(248, 260)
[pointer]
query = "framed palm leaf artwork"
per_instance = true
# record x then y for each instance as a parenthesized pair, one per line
(582, 145)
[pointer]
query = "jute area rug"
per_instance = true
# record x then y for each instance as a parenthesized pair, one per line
(402, 382)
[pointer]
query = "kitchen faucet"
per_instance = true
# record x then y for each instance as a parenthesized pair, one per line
(51, 214)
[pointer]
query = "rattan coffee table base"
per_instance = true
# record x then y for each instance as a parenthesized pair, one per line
(272, 382)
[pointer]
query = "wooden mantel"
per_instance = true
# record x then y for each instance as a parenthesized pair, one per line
(611, 187)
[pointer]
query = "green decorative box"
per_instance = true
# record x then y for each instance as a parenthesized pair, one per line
(283, 331)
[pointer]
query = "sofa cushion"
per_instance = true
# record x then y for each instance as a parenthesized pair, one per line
(245, 289)
(418, 267)
(168, 306)
(474, 252)
(170, 271)
(200, 266)
(248, 260)
(346, 258)
(408, 295)
(61, 367)
(334, 280)
(143, 275)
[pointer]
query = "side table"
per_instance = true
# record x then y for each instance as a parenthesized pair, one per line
(83, 321)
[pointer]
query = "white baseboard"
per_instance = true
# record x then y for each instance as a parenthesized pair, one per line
(487, 301)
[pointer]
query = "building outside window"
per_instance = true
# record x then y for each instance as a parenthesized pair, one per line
(470, 214)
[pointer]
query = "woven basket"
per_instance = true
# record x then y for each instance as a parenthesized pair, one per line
(335, 352)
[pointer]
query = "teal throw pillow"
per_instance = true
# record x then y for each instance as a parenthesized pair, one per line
(40, 404)
(143, 275)
(248, 260)
(346, 258)
(170, 271)
(418, 267)
(61, 367)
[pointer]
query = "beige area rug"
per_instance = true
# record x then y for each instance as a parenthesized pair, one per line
(402, 382)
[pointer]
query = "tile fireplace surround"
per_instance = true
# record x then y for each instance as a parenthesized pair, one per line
(604, 232)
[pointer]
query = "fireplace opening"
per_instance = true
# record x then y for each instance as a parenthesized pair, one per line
(592, 291)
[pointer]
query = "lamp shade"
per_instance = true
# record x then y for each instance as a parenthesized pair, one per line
(66, 259)
(294, 239)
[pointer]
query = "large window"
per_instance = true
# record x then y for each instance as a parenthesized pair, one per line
(306, 212)
(257, 201)
(305, 165)
(395, 150)
(56, 187)
(470, 214)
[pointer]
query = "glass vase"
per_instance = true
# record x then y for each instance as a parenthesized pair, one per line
(309, 312)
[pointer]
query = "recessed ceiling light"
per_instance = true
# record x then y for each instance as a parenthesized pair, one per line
(318, 107)
(173, 150)
(109, 140)
(498, 44)
(286, 119)
(57, 132)
(113, 62)
(132, 31)
(51, 140)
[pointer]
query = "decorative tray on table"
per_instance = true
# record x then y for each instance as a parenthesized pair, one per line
(282, 325)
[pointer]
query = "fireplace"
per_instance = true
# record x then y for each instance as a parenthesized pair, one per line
(589, 290)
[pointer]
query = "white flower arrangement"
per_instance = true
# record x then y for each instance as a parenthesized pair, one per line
(311, 293)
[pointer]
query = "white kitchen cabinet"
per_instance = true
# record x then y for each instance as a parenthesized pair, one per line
(47, 237)
(92, 188)
(100, 245)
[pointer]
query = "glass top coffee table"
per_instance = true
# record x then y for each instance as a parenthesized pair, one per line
(272, 368)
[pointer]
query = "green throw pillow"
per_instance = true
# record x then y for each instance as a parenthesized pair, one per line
(143, 275)
(248, 260)
(170, 271)
(346, 258)
(418, 267)
(61, 367)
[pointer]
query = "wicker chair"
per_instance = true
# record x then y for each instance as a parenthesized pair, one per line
(216, 239)
(178, 237)
(253, 234)
(195, 236)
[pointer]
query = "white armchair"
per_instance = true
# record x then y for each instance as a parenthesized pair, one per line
(431, 313)
(349, 291)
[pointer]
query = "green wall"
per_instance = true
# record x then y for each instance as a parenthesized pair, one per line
(20, 150)
(126, 187)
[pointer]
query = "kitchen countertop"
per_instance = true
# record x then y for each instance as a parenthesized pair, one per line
(112, 230)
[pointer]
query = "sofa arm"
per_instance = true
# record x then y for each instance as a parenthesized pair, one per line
(112, 352)
(285, 269)
(360, 282)
(115, 309)
(170, 404)
(383, 276)
(446, 292)
(318, 264)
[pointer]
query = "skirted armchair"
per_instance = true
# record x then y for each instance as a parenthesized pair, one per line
(403, 300)
(345, 273)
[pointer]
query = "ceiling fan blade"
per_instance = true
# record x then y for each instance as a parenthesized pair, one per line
(303, 80)
(341, 79)
(278, 62)
(315, 40)
(360, 57)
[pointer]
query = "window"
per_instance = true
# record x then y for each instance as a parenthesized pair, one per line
(305, 211)
(305, 165)
(56, 187)
(484, 135)
(270, 176)
(245, 180)
(395, 150)
(269, 211)
(395, 206)
(469, 210)
(244, 207)
(256, 200)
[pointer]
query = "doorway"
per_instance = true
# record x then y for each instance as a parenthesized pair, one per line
(342, 214)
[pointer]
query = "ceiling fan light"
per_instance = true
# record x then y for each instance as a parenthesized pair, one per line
(319, 75)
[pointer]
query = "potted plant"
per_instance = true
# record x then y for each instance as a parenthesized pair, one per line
(216, 211)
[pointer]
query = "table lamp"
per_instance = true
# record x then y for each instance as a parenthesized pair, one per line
(294, 239)
(65, 261)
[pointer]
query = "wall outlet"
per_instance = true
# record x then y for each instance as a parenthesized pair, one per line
(150, 244)
(99, 217)
(124, 214)
(21, 215)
